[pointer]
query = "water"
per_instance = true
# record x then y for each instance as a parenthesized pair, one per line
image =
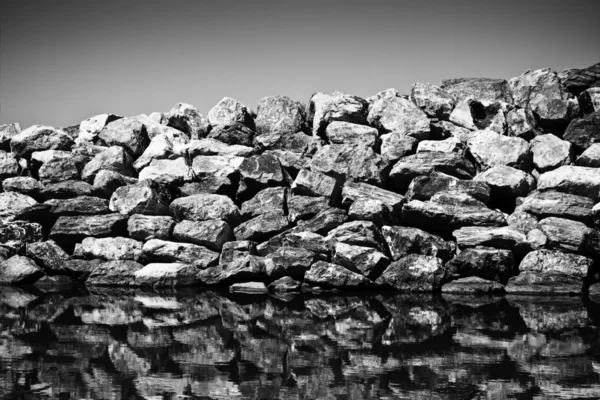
(133, 344)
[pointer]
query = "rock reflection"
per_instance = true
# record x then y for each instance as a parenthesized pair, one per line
(126, 344)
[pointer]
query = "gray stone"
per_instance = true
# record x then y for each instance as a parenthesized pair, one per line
(424, 187)
(211, 234)
(339, 132)
(166, 275)
(212, 166)
(249, 288)
(106, 182)
(259, 172)
(397, 114)
(202, 207)
(39, 138)
(19, 270)
(129, 133)
(24, 185)
(82, 205)
(7, 131)
(473, 285)
(371, 210)
(168, 172)
(536, 239)
(111, 248)
(403, 241)
(9, 166)
(325, 108)
(297, 142)
(17, 235)
(48, 255)
(358, 233)
(279, 114)
(444, 129)
(161, 147)
(328, 275)
(186, 118)
(11, 203)
(452, 144)
(576, 80)
(590, 157)
(581, 181)
(289, 261)
(414, 273)
(313, 242)
(145, 197)
(583, 132)
(145, 227)
(213, 147)
(324, 221)
(550, 152)
(75, 229)
(267, 201)
(262, 227)
(557, 204)
(487, 263)
(521, 123)
(486, 90)
(244, 269)
(395, 145)
(114, 273)
(157, 250)
(305, 207)
(462, 114)
(237, 249)
(490, 149)
(498, 237)
(228, 111)
(311, 183)
(507, 182)
(90, 128)
(114, 159)
(58, 170)
(570, 236)
(432, 99)
(364, 260)
(285, 284)
(235, 133)
(589, 100)
(355, 191)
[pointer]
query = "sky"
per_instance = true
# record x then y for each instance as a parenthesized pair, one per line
(64, 61)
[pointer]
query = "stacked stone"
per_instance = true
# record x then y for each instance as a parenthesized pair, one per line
(477, 185)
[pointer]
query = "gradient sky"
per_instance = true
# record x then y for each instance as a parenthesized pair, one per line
(64, 61)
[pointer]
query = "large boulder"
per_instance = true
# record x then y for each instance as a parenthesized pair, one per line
(485, 90)
(557, 204)
(432, 99)
(24, 185)
(237, 249)
(48, 255)
(202, 207)
(259, 172)
(262, 228)
(531, 84)
(129, 133)
(217, 166)
(359, 191)
(403, 241)
(212, 147)
(39, 138)
(114, 158)
(576, 80)
(211, 233)
(161, 146)
(146, 197)
(498, 237)
(358, 233)
(414, 273)
(583, 132)
(289, 261)
(145, 227)
(507, 183)
(324, 221)
(473, 285)
(186, 118)
(329, 275)
(168, 172)
(582, 181)
(112, 248)
(521, 123)
(310, 241)
(241, 269)
(371, 210)
(58, 170)
(16, 235)
(487, 263)
(106, 182)
(448, 145)
(166, 275)
(114, 273)
(550, 152)
(9, 165)
(67, 190)
(157, 250)
(279, 114)
(81, 205)
(19, 270)
(90, 128)
(339, 132)
(12, 203)
(269, 200)
(305, 207)
(394, 146)
(233, 134)
(74, 229)
(397, 114)
(570, 236)
(325, 108)
(424, 187)
(364, 260)
(228, 111)
(312, 183)
(490, 149)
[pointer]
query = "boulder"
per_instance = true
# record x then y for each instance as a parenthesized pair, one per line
(443, 130)
(487, 263)
(576, 80)
(325, 108)
(9, 166)
(424, 187)
(213, 147)
(82, 205)
(157, 250)
(590, 157)
(414, 273)
(208, 185)
(279, 114)
(305, 207)
(289, 261)
(357, 163)
(267, 201)
(355, 191)
(285, 284)
(490, 149)
(129, 133)
(24, 185)
(329, 275)
(570, 236)
(111, 248)
(202, 207)
(235, 133)
(235, 250)
(582, 181)
(58, 170)
(462, 115)
(187, 119)
(90, 128)
(583, 132)
(114, 159)
(106, 182)
(262, 228)
(75, 229)
(7, 131)
(371, 210)
(396, 114)
(291, 162)
(532, 84)
(403, 241)
(521, 123)
(589, 100)
(432, 99)
(364, 260)
(211, 233)
(557, 204)
(498, 237)
(217, 166)
(79, 269)
(550, 152)
(39, 138)
(145, 197)
(48, 255)
(161, 147)
(536, 239)
(358, 233)
(310, 241)
(114, 273)
(339, 132)
(168, 172)
(324, 221)
(12, 203)
(485, 90)
(554, 115)
(228, 111)
(145, 227)
(507, 183)
(166, 275)
(451, 144)
(249, 288)
(19, 270)
(394, 146)
(311, 183)
(259, 172)
(16, 235)
(242, 269)
(473, 285)
(297, 142)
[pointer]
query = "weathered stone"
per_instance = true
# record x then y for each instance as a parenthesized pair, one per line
(582, 181)
(114, 273)
(328, 275)
(79, 269)
(414, 273)
(304, 207)
(394, 146)
(58, 170)
(9, 166)
(249, 288)
(490, 149)
(570, 236)
(462, 115)
(289, 261)
(507, 183)
(324, 221)
(485, 90)
(371, 210)
(290, 161)
(106, 182)
(259, 172)
(432, 99)
(243, 269)
(267, 201)
(39, 213)
(16, 235)
(166, 275)
(531, 84)
(75, 229)
(208, 185)
(7, 131)
(589, 100)
(11, 203)
(19, 270)
(233, 134)
(145, 197)
(129, 133)
(111, 248)
(239, 249)
(23, 184)
(358, 233)
(145, 227)
(82, 205)
(90, 128)
(354, 191)
(48, 255)
(297, 142)
(583, 132)
(39, 138)
(498, 237)
(443, 130)
(285, 284)
(161, 147)
(157, 250)
(365, 260)
(536, 239)
(554, 115)
(228, 111)
(590, 157)
(576, 80)
(167, 172)
(325, 108)
(279, 114)
(404, 241)
(473, 285)
(114, 158)
(211, 234)
(262, 227)
(557, 204)
(213, 147)
(424, 187)
(339, 132)
(521, 123)
(202, 207)
(186, 118)
(310, 241)
(397, 114)
(311, 183)
(550, 152)
(451, 144)
(487, 263)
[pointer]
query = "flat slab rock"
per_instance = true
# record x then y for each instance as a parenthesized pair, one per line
(473, 285)
(114, 273)
(248, 288)
(166, 275)
(581, 181)
(424, 187)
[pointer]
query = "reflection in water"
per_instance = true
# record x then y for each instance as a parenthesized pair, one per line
(133, 344)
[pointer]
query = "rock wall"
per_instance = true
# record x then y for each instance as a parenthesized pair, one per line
(477, 185)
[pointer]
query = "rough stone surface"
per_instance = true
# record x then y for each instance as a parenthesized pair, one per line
(339, 132)
(39, 138)
(473, 285)
(82, 205)
(202, 207)
(239, 249)
(211, 234)
(432, 99)
(17, 235)
(48, 255)
(186, 118)
(311, 183)
(228, 111)
(234, 133)
(145, 227)
(570, 236)
(590, 157)
(583, 132)
(11, 203)
(114, 273)
(19, 270)
(305, 207)
(262, 227)
(582, 181)
(424, 187)
(279, 114)
(167, 172)
(75, 229)
(289, 261)
(325, 108)
(157, 250)
(112, 248)
(414, 273)
(146, 197)
(557, 204)
(329, 275)
(589, 100)
(129, 133)
(550, 152)
(403, 241)
(482, 89)
(498, 237)
(490, 149)
(364, 260)
(114, 158)
(166, 275)
(24, 185)
(488, 263)
(394, 146)
(397, 114)
(507, 183)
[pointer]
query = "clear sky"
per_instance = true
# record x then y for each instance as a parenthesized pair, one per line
(64, 61)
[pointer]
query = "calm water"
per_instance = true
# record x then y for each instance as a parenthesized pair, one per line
(112, 344)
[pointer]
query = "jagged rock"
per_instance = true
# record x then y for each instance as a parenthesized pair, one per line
(462, 115)
(129, 133)
(114, 159)
(554, 115)
(12, 203)
(39, 138)
(324, 221)
(7, 131)
(550, 152)
(589, 100)
(234, 133)
(557, 204)
(536, 239)
(444, 130)
(432, 99)
(144, 227)
(297, 142)
(414, 273)
(521, 123)
(157, 250)
(311, 183)
(75, 229)
(186, 118)
(114, 273)
(531, 84)
(161, 147)
(213, 147)
(328, 275)
(111, 248)
(325, 108)
(387, 93)
(507, 183)
(285, 284)
(490, 149)
(570, 236)
(448, 211)
(48, 255)
(403, 241)
(228, 111)
(473, 285)
(269, 200)
(364, 260)
(485, 90)
(394, 146)
(546, 271)
(58, 170)
(487, 263)
(145, 197)
(304, 207)
(451, 144)
(582, 181)
(249, 288)
(24, 185)
(339, 132)
(209, 185)
(79, 269)
(211, 234)
(262, 227)
(90, 128)
(358, 233)
(9, 166)
(239, 249)
(424, 187)
(106, 182)
(310, 241)
(19, 270)
(202, 207)
(279, 114)
(16, 235)
(167, 172)
(577, 80)
(590, 157)
(242, 269)
(290, 161)
(370, 210)
(498, 237)
(217, 166)
(166, 275)
(583, 132)
(410, 167)
(355, 191)
(259, 172)
(396, 114)
(289, 261)
(82, 205)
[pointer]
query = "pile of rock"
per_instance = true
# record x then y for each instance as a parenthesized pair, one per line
(477, 185)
